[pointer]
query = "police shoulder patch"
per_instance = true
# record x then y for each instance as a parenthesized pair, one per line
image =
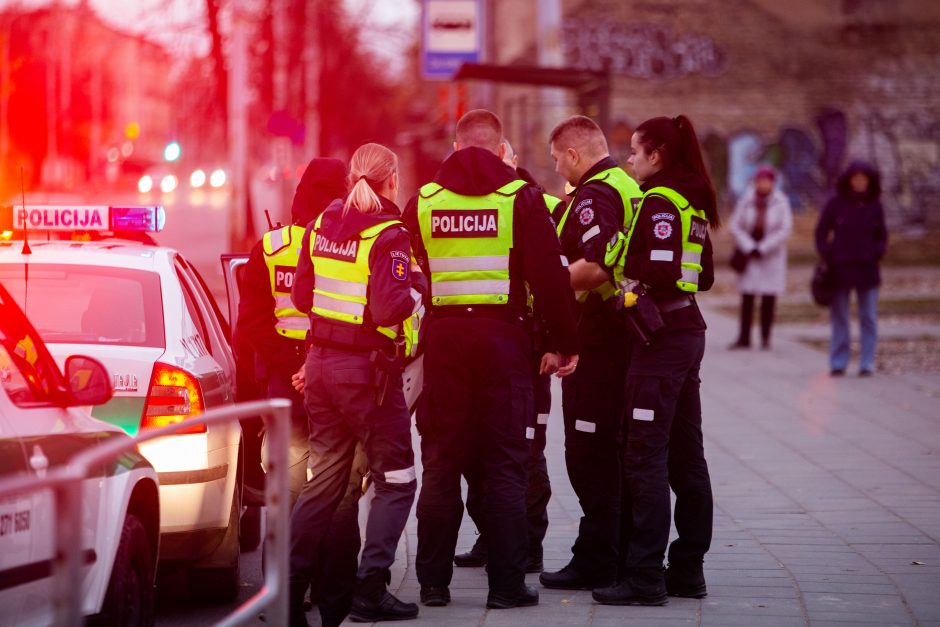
(586, 216)
(664, 216)
(399, 268)
(662, 230)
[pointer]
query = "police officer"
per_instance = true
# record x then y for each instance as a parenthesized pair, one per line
(276, 333)
(485, 234)
(539, 489)
(356, 279)
(593, 397)
(669, 251)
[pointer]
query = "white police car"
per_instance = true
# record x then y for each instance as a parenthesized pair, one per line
(42, 426)
(147, 315)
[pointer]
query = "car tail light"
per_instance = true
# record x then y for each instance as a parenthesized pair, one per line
(174, 396)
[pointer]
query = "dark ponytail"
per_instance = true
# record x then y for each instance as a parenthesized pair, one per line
(677, 142)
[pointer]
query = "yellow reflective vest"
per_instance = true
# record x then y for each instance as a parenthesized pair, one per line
(629, 193)
(341, 283)
(694, 223)
(468, 239)
(281, 252)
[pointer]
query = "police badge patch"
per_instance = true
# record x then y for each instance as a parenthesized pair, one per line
(400, 265)
(662, 230)
(586, 216)
(399, 269)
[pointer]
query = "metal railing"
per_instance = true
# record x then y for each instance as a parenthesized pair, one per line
(65, 484)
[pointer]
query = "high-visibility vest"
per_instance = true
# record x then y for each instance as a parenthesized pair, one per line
(550, 202)
(341, 276)
(629, 192)
(694, 223)
(281, 253)
(468, 239)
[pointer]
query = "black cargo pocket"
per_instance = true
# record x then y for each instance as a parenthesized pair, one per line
(522, 403)
(644, 400)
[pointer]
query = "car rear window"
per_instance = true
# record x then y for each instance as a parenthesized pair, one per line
(71, 304)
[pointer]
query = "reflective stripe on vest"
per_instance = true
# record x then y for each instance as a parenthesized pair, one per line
(691, 262)
(281, 252)
(341, 285)
(468, 239)
(629, 193)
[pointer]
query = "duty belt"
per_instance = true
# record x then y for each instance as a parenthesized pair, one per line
(346, 337)
(675, 305)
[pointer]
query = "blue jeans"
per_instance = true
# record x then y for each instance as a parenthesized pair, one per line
(840, 344)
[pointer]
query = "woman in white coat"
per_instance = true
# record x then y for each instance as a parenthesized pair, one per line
(761, 225)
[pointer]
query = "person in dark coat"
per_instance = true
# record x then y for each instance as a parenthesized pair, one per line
(852, 238)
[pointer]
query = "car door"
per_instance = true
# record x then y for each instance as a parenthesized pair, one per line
(15, 546)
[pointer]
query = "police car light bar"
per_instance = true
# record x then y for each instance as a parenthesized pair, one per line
(83, 218)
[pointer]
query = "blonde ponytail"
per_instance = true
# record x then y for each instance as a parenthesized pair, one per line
(371, 165)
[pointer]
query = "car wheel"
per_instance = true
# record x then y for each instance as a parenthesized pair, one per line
(250, 528)
(221, 585)
(130, 595)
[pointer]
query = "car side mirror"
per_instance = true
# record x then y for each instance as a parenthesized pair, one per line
(88, 381)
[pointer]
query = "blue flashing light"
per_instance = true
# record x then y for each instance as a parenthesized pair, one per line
(148, 219)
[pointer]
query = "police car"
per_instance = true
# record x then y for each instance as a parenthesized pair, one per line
(147, 315)
(42, 425)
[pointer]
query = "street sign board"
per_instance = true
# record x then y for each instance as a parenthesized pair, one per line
(451, 34)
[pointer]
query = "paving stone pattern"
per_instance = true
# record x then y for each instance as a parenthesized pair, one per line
(827, 503)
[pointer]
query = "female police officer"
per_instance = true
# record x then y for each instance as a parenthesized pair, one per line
(669, 252)
(355, 280)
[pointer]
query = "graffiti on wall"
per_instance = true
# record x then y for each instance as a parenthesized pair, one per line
(905, 148)
(647, 51)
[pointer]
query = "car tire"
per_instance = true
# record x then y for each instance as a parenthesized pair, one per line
(221, 585)
(250, 536)
(129, 599)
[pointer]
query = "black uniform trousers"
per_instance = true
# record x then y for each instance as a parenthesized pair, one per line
(477, 389)
(593, 403)
(342, 410)
(539, 488)
(663, 447)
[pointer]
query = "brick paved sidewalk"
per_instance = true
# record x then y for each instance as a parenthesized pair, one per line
(827, 503)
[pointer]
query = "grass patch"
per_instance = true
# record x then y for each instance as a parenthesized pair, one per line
(921, 308)
(897, 355)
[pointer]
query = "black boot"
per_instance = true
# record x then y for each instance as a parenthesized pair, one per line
(686, 580)
(534, 564)
(525, 597)
(569, 578)
(643, 586)
(373, 602)
(474, 558)
(435, 596)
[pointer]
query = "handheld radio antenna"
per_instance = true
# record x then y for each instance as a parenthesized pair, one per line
(26, 249)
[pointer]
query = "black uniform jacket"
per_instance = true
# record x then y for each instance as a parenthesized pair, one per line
(596, 216)
(659, 228)
(535, 258)
(389, 298)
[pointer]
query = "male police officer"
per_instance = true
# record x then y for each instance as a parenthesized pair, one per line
(485, 234)
(539, 489)
(593, 397)
(276, 331)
